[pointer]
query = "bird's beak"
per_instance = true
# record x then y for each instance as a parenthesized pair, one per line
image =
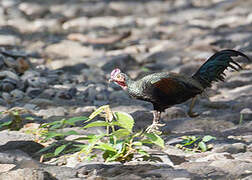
(110, 80)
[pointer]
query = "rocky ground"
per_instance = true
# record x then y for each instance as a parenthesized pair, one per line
(56, 57)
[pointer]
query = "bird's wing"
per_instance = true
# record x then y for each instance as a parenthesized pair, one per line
(175, 84)
(169, 85)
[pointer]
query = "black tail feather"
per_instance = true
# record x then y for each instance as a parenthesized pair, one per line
(213, 69)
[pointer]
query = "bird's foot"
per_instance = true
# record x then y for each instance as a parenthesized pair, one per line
(192, 114)
(154, 128)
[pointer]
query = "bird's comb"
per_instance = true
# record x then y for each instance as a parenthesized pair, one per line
(114, 73)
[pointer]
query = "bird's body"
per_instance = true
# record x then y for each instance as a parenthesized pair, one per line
(166, 89)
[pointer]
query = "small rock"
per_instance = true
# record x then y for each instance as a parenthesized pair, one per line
(17, 94)
(7, 86)
(33, 92)
(32, 9)
(85, 109)
(232, 166)
(119, 95)
(68, 48)
(41, 102)
(1, 61)
(29, 74)
(173, 112)
(231, 148)
(6, 167)
(6, 96)
(30, 147)
(246, 114)
(9, 40)
(13, 156)
(46, 113)
(123, 62)
(36, 82)
(11, 62)
(214, 157)
(27, 173)
(9, 74)
(69, 94)
(246, 157)
(30, 106)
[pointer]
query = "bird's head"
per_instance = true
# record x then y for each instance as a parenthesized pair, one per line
(119, 78)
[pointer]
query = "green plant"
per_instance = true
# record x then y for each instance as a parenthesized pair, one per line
(196, 144)
(118, 143)
(16, 121)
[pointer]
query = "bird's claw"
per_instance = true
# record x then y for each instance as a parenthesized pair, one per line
(192, 114)
(154, 128)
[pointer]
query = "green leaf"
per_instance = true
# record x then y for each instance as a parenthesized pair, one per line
(97, 112)
(120, 133)
(46, 148)
(202, 146)
(72, 132)
(142, 152)
(45, 125)
(29, 118)
(5, 123)
(125, 120)
(208, 138)
(55, 126)
(137, 143)
(105, 147)
(156, 139)
(96, 124)
(190, 141)
(73, 120)
(59, 149)
(48, 155)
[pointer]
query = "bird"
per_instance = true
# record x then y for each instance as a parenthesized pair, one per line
(165, 89)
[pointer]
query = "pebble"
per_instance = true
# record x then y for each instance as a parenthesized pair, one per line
(46, 113)
(9, 40)
(17, 94)
(9, 74)
(246, 114)
(231, 148)
(33, 92)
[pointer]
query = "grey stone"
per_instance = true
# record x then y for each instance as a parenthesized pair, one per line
(9, 40)
(173, 113)
(33, 92)
(30, 147)
(231, 148)
(17, 94)
(13, 156)
(59, 111)
(232, 166)
(41, 102)
(123, 62)
(6, 96)
(68, 48)
(27, 173)
(9, 74)
(32, 9)
(246, 114)
(10, 62)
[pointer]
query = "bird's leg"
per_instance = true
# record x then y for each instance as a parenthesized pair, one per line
(155, 123)
(190, 112)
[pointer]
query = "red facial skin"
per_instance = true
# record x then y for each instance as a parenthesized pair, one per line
(117, 77)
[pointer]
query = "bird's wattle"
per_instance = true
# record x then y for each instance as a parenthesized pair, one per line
(121, 83)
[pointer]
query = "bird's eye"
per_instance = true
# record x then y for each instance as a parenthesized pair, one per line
(118, 76)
